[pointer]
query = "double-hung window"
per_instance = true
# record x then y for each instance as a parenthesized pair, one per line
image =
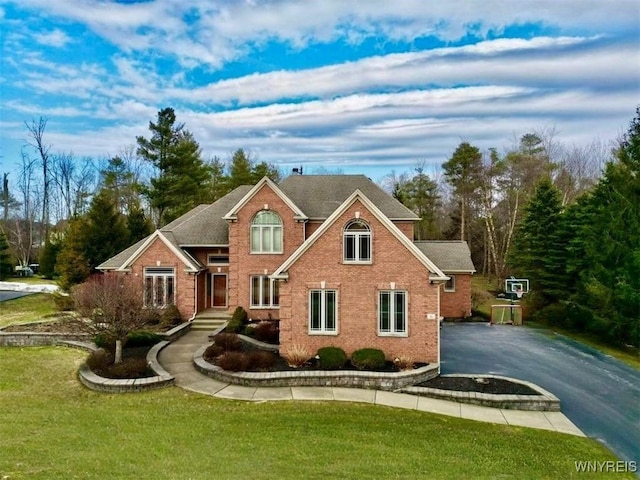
(323, 311)
(356, 241)
(159, 287)
(266, 232)
(264, 292)
(392, 312)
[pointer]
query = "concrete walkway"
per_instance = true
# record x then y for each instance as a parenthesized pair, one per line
(177, 360)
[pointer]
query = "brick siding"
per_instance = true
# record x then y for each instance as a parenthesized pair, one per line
(457, 304)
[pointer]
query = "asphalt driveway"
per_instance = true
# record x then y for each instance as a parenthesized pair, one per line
(597, 392)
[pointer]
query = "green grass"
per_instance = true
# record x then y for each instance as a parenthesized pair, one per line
(629, 356)
(52, 427)
(31, 308)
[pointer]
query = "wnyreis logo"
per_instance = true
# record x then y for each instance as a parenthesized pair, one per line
(608, 466)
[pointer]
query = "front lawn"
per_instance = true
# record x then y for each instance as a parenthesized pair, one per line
(52, 427)
(30, 308)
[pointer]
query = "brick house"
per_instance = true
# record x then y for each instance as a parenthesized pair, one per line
(331, 256)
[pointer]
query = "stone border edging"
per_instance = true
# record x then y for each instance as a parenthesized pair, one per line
(112, 385)
(543, 401)
(389, 381)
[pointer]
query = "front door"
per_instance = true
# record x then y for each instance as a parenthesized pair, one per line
(219, 287)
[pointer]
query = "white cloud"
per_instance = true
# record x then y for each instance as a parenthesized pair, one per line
(55, 38)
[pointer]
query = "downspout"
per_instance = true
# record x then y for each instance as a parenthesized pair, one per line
(195, 296)
(439, 285)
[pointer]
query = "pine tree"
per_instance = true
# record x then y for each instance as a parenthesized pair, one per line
(240, 170)
(538, 252)
(5, 257)
(180, 171)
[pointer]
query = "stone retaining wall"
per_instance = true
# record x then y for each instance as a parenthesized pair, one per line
(543, 401)
(317, 378)
(111, 385)
(36, 339)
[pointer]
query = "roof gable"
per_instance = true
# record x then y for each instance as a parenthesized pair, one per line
(266, 181)
(377, 213)
(189, 262)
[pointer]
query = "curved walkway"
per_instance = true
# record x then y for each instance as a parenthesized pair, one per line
(177, 359)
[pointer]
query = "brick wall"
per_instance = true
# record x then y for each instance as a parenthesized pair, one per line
(457, 304)
(358, 287)
(243, 263)
(159, 255)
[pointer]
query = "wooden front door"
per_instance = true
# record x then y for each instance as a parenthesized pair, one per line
(219, 293)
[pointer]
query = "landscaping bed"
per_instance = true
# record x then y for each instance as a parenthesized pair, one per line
(497, 386)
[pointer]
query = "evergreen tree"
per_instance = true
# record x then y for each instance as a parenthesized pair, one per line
(240, 170)
(180, 171)
(5, 257)
(420, 194)
(71, 263)
(538, 252)
(105, 232)
(138, 225)
(463, 172)
(264, 169)
(49, 257)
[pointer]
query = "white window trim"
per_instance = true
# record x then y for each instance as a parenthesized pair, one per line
(453, 281)
(323, 311)
(393, 332)
(271, 305)
(271, 228)
(357, 234)
(154, 274)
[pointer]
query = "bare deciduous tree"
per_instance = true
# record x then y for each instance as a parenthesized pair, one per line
(113, 305)
(36, 140)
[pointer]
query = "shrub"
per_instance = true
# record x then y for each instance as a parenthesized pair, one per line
(403, 362)
(64, 303)
(249, 331)
(105, 341)
(212, 352)
(331, 358)
(228, 341)
(267, 332)
(233, 361)
(296, 356)
(261, 360)
(238, 320)
(368, 359)
(101, 363)
(152, 316)
(171, 316)
(142, 338)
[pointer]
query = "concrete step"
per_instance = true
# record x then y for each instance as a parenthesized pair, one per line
(210, 319)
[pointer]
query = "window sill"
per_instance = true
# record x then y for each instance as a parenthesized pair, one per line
(399, 335)
(449, 291)
(355, 262)
(265, 307)
(329, 334)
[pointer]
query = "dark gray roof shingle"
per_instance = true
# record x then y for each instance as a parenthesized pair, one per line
(449, 256)
(319, 195)
(204, 224)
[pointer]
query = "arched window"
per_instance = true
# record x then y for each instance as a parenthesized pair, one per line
(266, 233)
(357, 242)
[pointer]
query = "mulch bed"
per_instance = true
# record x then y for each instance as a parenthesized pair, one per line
(478, 384)
(63, 324)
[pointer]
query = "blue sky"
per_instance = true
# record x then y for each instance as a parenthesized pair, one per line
(361, 86)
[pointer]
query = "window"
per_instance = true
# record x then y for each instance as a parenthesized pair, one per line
(266, 233)
(450, 285)
(323, 311)
(159, 287)
(357, 242)
(218, 259)
(392, 312)
(264, 292)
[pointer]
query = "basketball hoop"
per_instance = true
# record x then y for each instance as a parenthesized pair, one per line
(519, 293)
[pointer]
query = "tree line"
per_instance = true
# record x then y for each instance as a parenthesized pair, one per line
(69, 215)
